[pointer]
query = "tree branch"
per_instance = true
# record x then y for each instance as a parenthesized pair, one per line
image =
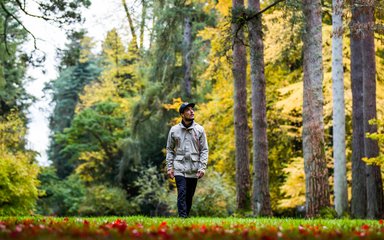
(5, 34)
(19, 22)
(134, 37)
(29, 14)
(246, 18)
(262, 11)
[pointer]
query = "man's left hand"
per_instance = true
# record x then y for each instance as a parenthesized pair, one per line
(200, 174)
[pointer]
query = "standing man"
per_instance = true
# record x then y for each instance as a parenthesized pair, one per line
(187, 157)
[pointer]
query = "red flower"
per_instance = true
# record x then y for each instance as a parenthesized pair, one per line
(365, 227)
(86, 223)
(381, 221)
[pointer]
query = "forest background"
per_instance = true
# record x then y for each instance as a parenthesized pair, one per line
(113, 109)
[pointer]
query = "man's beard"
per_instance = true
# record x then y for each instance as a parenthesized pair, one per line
(190, 119)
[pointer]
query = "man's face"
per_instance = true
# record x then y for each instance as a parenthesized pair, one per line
(188, 114)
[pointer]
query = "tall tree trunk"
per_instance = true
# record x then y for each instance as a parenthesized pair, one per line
(261, 204)
(316, 173)
(187, 62)
(340, 175)
(240, 109)
(359, 184)
(143, 20)
(374, 181)
(133, 32)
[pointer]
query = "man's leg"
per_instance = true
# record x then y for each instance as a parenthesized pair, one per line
(191, 187)
(181, 196)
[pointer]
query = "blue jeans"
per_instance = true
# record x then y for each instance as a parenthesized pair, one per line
(185, 191)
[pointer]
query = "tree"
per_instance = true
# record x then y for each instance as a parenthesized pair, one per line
(187, 58)
(359, 183)
(18, 171)
(78, 69)
(57, 11)
(92, 141)
(375, 198)
(340, 175)
(130, 22)
(240, 107)
(316, 174)
(261, 199)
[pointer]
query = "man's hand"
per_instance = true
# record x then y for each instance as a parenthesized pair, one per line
(170, 173)
(199, 174)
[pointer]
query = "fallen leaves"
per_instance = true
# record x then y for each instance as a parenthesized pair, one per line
(74, 228)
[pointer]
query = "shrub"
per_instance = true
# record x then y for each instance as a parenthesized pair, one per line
(214, 197)
(102, 200)
(18, 172)
(59, 197)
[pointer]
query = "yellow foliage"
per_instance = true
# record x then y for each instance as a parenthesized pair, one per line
(92, 162)
(18, 172)
(224, 7)
(87, 45)
(294, 187)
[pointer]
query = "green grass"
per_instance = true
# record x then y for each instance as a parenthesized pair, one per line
(139, 227)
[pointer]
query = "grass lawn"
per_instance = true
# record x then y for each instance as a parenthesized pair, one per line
(138, 227)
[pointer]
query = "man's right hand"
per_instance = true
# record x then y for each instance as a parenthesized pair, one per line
(170, 173)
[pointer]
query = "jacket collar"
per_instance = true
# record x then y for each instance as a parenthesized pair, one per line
(189, 127)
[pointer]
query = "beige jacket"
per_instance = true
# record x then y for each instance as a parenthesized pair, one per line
(187, 150)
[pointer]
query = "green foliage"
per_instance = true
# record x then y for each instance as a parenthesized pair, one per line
(93, 142)
(328, 213)
(102, 200)
(13, 63)
(18, 172)
(59, 197)
(213, 197)
(151, 199)
(65, 91)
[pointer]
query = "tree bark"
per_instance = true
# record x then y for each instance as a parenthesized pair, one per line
(371, 147)
(340, 175)
(261, 204)
(133, 32)
(240, 109)
(143, 20)
(316, 173)
(359, 181)
(187, 61)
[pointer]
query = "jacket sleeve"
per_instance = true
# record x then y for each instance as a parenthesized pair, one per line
(203, 151)
(170, 151)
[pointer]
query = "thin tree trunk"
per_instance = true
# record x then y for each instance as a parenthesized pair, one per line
(340, 185)
(316, 173)
(374, 181)
(240, 109)
(359, 182)
(143, 20)
(187, 62)
(261, 204)
(133, 32)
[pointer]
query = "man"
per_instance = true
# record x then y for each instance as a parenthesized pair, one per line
(187, 157)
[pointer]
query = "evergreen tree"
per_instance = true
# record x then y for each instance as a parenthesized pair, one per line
(240, 108)
(65, 90)
(316, 174)
(261, 197)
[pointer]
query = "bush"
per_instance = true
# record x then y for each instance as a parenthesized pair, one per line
(214, 197)
(153, 194)
(102, 200)
(59, 197)
(18, 172)
(18, 184)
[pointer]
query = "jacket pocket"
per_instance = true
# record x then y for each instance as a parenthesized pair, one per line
(195, 162)
(178, 163)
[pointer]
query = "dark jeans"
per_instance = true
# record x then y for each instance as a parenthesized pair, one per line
(185, 191)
